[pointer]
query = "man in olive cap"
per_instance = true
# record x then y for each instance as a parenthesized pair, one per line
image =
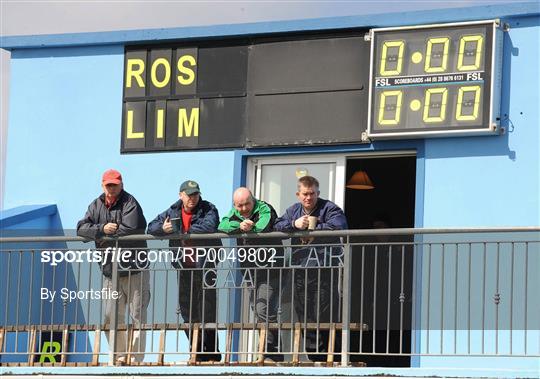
(197, 304)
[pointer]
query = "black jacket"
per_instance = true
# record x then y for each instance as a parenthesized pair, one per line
(128, 214)
(330, 217)
(205, 220)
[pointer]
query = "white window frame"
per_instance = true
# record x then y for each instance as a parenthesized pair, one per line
(337, 176)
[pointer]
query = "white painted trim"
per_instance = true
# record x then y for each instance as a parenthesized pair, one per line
(337, 175)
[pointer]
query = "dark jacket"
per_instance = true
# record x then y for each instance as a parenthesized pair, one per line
(128, 214)
(205, 220)
(330, 217)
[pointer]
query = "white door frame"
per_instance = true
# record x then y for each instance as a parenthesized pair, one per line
(337, 176)
(337, 192)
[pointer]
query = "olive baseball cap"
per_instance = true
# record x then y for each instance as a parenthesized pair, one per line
(189, 187)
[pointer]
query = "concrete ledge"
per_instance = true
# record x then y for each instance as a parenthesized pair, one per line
(257, 372)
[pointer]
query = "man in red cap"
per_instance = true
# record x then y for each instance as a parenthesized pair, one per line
(117, 213)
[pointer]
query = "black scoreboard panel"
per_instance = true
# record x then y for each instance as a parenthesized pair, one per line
(324, 117)
(222, 71)
(308, 92)
(184, 98)
(432, 80)
(185, 72)
(229, 116)
(298, 91)
(309, 65)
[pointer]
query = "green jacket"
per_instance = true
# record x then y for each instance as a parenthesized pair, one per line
(263, 215)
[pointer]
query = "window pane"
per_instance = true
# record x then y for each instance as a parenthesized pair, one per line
(278, 182)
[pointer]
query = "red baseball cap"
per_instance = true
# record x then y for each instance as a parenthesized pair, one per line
(111, 177)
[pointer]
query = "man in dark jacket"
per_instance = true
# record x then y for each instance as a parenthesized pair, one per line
(117, 213)
(192, 214)
(315, 292)
(250, 215)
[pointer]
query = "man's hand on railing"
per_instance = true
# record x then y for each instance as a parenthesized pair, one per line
(302, 222)
(110, 228)
(246, 225)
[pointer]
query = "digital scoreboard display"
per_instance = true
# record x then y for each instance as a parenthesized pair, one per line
(435, 80)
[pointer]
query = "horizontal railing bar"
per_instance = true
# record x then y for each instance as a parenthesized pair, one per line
(390, 354)
(185, 326)
(320, 233)
(362, 243)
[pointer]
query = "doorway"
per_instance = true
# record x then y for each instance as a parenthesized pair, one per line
(379, 273)
(393, 194)
(382, 267)
(274, 180)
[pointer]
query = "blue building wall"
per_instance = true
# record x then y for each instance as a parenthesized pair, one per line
(64, 131)
(493, 181)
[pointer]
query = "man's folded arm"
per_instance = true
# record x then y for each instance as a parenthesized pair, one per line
(88, 228)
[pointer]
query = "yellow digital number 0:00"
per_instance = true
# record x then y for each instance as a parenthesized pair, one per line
(445, 41)
(478, 54)
(382, 107)
(476, 105)
(427, 102)
(384, 56)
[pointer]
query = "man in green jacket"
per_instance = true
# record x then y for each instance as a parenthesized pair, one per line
(250, 215)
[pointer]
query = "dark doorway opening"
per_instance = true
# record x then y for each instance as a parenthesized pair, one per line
(382, 266)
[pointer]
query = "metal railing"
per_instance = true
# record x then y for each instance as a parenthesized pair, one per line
(355, 297)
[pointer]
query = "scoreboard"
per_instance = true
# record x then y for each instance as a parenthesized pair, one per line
(344, 87)
(435, 80)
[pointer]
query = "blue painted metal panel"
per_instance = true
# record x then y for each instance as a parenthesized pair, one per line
(18, 215)
(20, 265)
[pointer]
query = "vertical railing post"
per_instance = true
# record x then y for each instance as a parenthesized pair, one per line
(114, 311)
(346, 314)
